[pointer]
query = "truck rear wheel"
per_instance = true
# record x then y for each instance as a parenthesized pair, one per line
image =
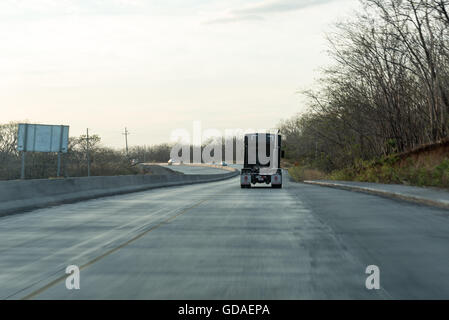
(276, 186)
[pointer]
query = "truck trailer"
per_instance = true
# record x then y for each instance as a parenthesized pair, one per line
(262, 160)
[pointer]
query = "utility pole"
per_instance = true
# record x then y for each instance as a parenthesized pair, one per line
(126, 140)
(87, 150)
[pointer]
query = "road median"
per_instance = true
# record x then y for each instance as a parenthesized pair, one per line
(18, 196)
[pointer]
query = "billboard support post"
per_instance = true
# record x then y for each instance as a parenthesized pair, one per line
(25, 137)
(58, 173)
(22, 172)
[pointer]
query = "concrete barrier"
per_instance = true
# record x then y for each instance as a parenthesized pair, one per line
(205, 165)
(17, 195)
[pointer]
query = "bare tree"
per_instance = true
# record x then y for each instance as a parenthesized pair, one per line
(387, 90)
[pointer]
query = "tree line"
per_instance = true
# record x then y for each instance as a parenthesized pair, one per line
(104, 161)
(387, 90)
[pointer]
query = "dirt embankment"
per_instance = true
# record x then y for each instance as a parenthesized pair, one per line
(427, 165)
(426, 156)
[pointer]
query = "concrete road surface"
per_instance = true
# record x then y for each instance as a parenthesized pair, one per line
(217, 241)
(195, 169)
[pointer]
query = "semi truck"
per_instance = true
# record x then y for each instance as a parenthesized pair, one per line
(262, 160)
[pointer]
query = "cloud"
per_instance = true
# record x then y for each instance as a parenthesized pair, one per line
(235, 18)
(255, 11)
(17, 8)
(275, 6)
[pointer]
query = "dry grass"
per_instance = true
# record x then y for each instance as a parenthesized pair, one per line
(299, 173)
(425, 166)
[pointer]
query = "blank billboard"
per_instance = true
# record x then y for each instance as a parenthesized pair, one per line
(43, 138)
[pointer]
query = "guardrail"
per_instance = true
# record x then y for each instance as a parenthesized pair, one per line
(17, 195)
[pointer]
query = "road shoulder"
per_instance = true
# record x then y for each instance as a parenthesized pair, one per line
(425, 196)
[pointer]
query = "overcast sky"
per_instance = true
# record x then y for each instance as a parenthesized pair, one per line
(158, 65)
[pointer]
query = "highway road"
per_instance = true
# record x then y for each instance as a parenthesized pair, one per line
(217, 241)
(195, 170)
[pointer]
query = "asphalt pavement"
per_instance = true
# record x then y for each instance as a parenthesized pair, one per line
(186, 169)
(218, 241)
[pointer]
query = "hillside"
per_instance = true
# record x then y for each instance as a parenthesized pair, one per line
(427, 165)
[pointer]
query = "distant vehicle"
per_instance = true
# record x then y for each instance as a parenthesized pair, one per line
(223, 164)
(170, 162)
(255, 170)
